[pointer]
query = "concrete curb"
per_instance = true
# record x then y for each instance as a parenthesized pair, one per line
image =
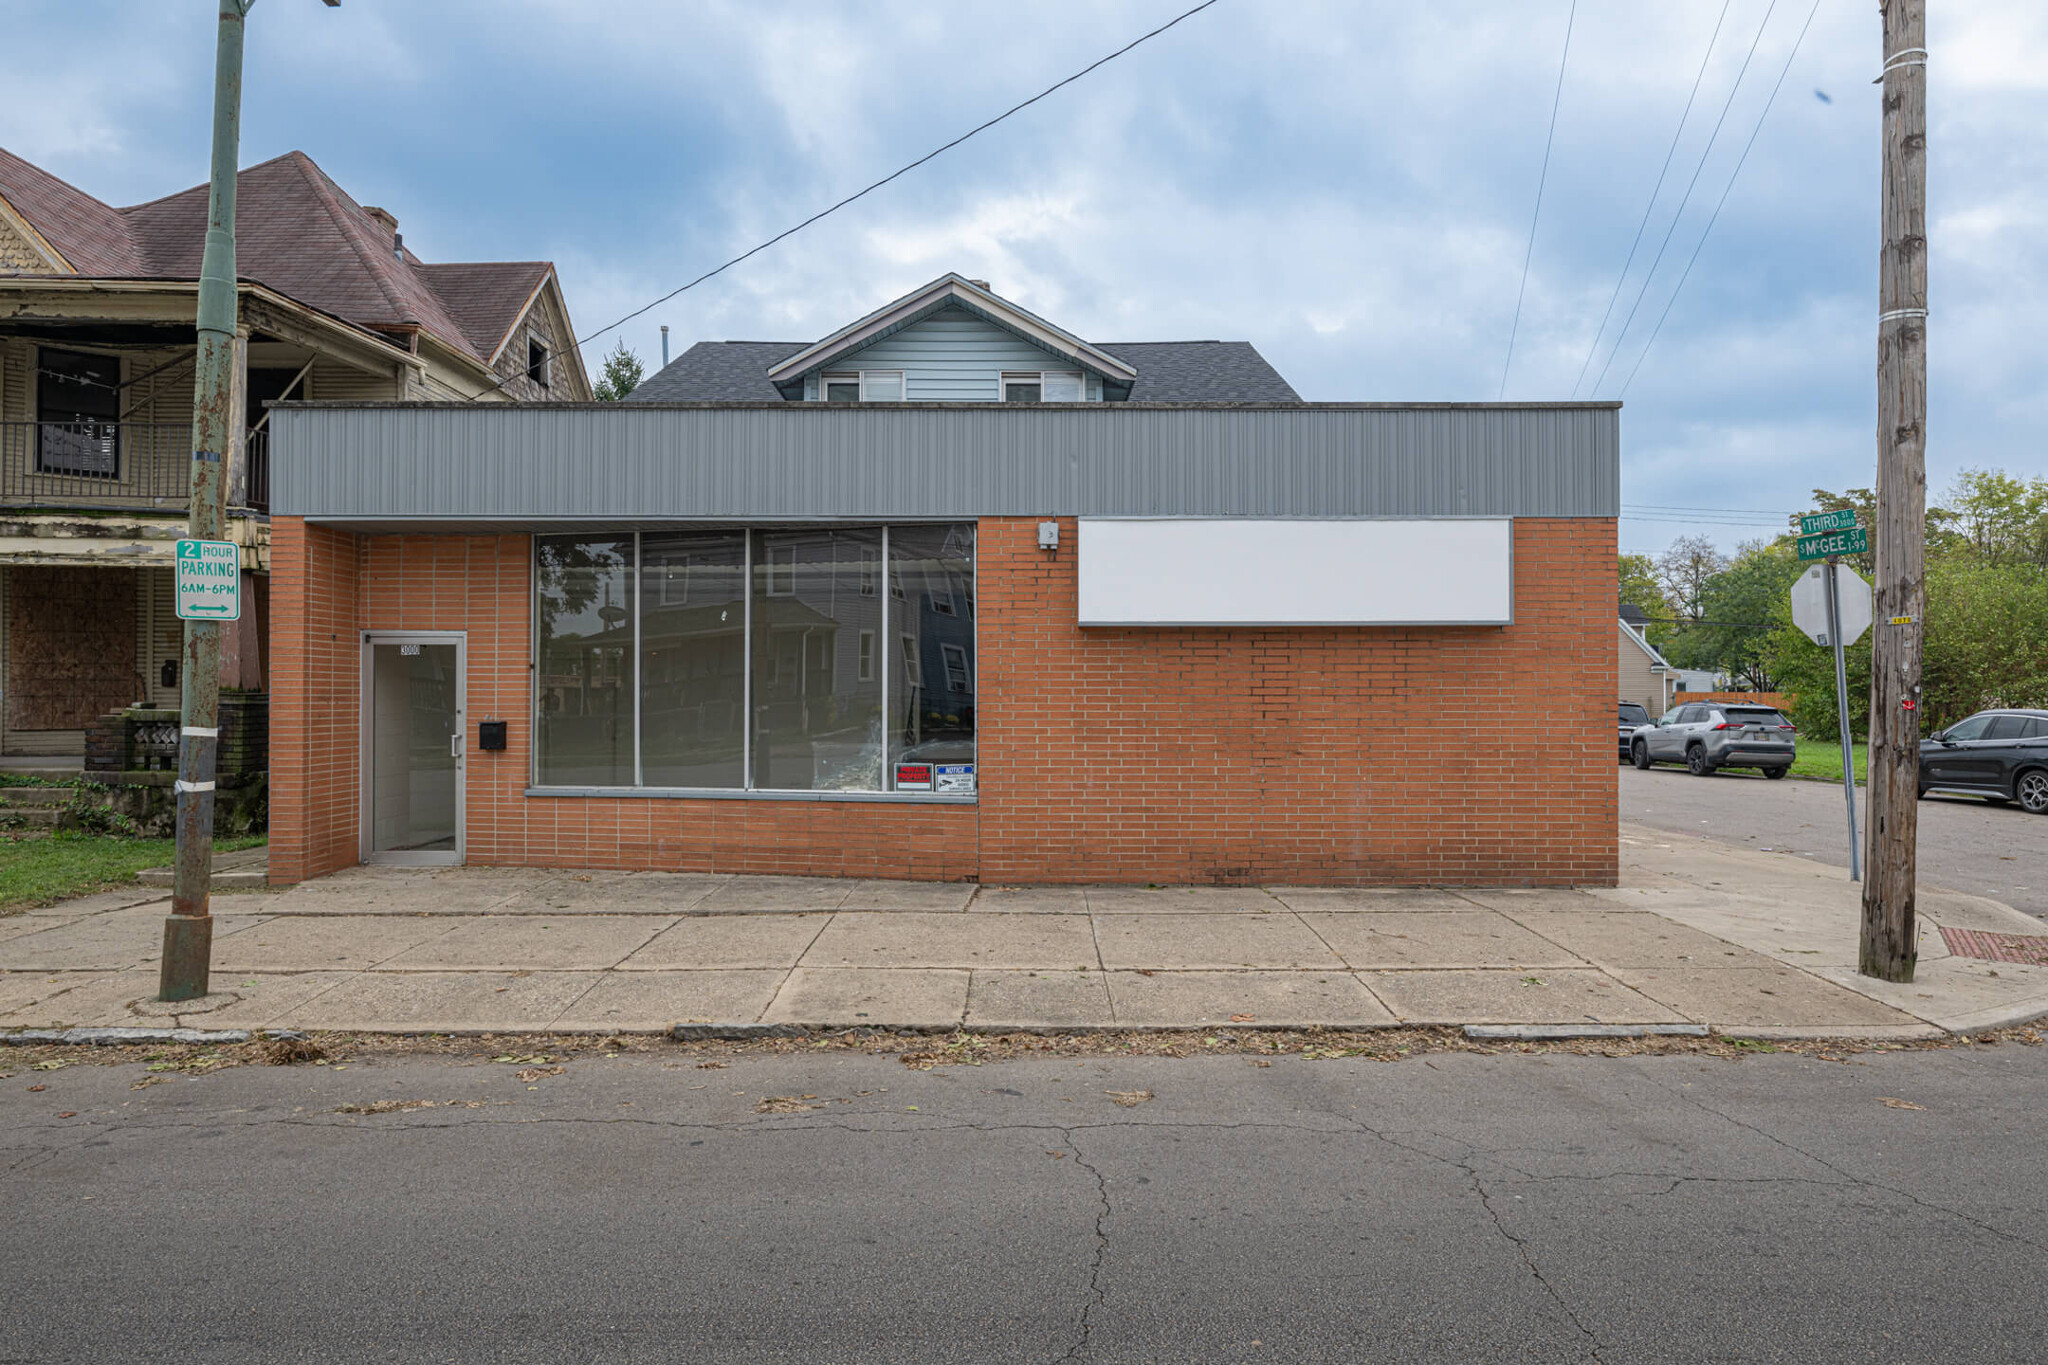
(1847, 1033)
(1533, 1033)
(104, 1037)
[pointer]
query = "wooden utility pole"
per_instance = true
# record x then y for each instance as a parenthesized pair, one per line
(188, 932)
(1889, 944)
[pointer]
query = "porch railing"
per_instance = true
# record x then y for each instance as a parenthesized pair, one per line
(144, 466)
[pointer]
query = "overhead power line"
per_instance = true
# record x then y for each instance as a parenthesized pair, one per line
(1716, 215)
(1705, 153)
(893, 175)
(1593, 348)
(1542, 177)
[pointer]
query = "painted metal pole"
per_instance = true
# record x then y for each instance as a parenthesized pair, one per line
(188, 932)
(1842, 718)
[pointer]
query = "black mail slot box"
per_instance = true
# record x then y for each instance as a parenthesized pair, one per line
(490, 734)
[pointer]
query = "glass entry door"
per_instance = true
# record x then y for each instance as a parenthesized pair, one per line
(412, 749)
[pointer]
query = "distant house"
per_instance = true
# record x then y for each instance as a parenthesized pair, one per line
(1644, 675)
(97, 345)
(954, 341)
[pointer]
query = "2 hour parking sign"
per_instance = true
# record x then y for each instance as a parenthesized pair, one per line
(209, 580)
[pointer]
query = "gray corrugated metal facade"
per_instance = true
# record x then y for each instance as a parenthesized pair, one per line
(463, 465)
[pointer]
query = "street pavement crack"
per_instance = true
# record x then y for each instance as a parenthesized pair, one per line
(1859, 1181)
(1095, 1295)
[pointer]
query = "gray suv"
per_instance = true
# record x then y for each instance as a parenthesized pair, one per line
(1709, 735)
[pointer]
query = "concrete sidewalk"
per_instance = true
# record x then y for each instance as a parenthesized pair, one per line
(1698, 933)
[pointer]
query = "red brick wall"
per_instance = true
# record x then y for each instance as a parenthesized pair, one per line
(315, 699)
(1449, 756)
(1469, 755)
(70, 645)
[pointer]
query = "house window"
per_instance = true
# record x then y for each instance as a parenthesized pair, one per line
(538, 364)
(868, 386)
(78, 407)
(781, 564)
(956, 667)
(673, 580)
(1042, 386)
(784, 681)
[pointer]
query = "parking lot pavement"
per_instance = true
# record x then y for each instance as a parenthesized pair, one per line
(1965, 844)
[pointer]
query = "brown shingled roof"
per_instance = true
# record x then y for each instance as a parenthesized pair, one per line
(296, 232)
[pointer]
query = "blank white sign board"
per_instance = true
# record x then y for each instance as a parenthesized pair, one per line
(1242, 572)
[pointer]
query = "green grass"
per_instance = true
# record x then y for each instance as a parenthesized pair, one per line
(42, 871)
(1821, 760)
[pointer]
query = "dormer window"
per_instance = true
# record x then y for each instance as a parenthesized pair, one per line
(1042, 386)
(868, 386)
(538, 367)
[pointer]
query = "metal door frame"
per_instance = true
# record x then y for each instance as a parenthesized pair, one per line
(366, 752)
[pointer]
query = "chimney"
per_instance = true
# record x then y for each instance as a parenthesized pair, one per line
(981, 284)
(384, 219)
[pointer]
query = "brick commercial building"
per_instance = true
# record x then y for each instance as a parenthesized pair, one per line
(1120, 638)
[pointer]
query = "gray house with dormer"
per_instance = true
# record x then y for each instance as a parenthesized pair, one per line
(956, 341)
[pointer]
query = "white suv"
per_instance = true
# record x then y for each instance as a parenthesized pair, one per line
(1709, 735)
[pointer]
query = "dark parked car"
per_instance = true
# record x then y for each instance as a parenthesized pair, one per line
(1633, 718)
(1999, 755)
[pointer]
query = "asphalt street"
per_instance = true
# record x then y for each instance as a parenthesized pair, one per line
(1453, 1208)
(1965, 843)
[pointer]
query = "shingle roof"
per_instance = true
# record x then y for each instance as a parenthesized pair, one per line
(1201, 372)
(718, 372)
(296, 232)
(1168, 372)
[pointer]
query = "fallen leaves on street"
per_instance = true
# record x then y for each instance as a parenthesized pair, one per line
(786, 1104)
(1894, 1102)
(1128, 1099)
(535, 1073)
(383, 1107)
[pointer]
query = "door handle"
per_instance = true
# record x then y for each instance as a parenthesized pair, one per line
(455, 745)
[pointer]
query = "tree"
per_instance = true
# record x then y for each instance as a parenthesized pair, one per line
(1683, 572)
(1736, 613)
(1994, 518)
(622, 374)
(1639, 588)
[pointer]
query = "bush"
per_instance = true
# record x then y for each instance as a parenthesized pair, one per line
(1986, 645)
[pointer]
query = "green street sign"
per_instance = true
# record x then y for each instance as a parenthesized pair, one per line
(1842, 519)
(209, 580)
(1854, 541)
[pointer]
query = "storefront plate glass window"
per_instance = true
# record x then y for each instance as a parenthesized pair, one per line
(766, 660)
(583, 676)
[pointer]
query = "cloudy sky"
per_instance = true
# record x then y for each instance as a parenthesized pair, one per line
(1348, 184)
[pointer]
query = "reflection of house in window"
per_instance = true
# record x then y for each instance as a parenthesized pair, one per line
(78, 407)
(956, 668)
(942, 594)
(781, 570)
(675, 580)
(867, 656)
(913, 671)
(870, 566)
